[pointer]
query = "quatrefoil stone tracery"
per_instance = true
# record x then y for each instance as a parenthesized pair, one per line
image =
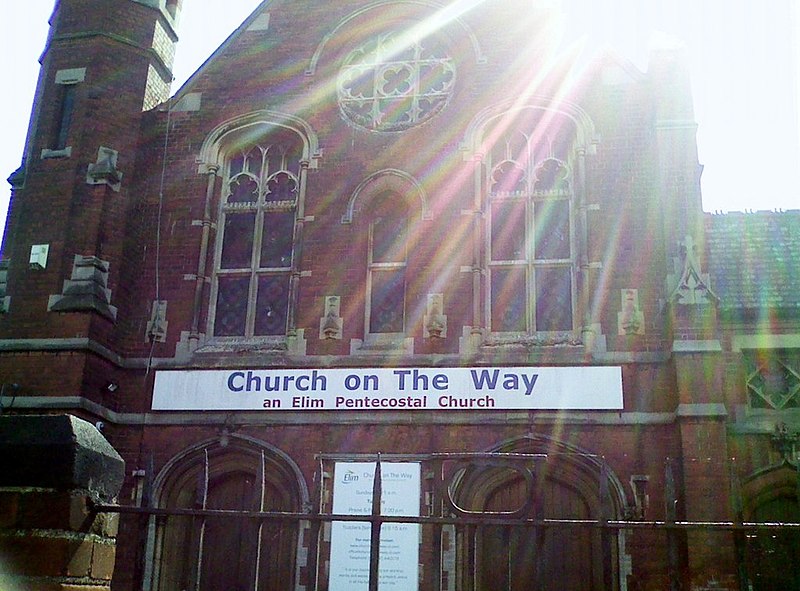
(387, 86)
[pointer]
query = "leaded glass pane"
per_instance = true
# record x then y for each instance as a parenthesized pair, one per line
(243, 189)
(257, 232)
(389, 237)
(236, 165)
(237, 240)
(509, 178)
(65, 115)
(551, 175)
(254, 158)
(509, 296)
(281, 187)
(387, 301)
(231, 314)
(276, 241)
(437, 77)
(271, 305)
(508, 230)
(395, 80)
(357, 82)
(552, 229)
(293, 157)
(553, 299)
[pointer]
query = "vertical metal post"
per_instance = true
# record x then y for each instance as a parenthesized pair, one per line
(739, 536)
(313, 529)
(539, 531)
(670, 515)
(375, 534)
(204, 505)
(261, 475)
(149, 526)
(434, 510)
(605, 534)
(471, 533)
(154, 572)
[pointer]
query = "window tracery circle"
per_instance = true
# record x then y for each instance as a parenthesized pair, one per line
(389, 84)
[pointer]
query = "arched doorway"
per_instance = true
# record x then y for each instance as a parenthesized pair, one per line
(227, 552)
(563, 483)
(773, 555)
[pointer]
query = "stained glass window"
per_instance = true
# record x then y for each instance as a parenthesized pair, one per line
(257, 222)
(529, 228)
(387, 266)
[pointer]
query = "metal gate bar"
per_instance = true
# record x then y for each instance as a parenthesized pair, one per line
(443, 511)
(747, 526)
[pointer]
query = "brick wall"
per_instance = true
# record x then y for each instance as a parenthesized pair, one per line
(51, 538)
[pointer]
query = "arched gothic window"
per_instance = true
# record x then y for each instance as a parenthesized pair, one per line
(530, 238)
(261, 191)
(386, 264)
(387, 210)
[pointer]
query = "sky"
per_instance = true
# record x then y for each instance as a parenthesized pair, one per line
(744, 58)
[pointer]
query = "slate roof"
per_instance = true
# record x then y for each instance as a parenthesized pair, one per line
(754, 259)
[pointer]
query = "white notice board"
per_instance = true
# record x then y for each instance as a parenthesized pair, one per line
(350, 541)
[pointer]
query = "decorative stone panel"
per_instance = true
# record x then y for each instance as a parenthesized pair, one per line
(630, 318)
(330, 325)
(157, 325)
(435, 321)
(690, 286)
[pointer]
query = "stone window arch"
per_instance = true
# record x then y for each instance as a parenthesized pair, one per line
(531, 243)
(263, 168)
(388, 208)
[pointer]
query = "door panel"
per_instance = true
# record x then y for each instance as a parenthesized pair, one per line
(511, 558)
(774, 555)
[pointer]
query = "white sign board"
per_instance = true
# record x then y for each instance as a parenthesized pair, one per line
(376, 389)
(398, 566)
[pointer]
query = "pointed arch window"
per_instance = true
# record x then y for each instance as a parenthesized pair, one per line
(530, 242)
(386, 265)
(257, 228)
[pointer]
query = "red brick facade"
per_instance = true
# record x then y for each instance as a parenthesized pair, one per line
(470, 197)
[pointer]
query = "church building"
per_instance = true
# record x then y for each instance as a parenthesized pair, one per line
(409, 259)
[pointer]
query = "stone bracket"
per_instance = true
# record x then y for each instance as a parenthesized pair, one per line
(86, 290)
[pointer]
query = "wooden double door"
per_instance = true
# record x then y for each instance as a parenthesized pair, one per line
(520, 558)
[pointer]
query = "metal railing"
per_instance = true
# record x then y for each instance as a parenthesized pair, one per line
(443, 510)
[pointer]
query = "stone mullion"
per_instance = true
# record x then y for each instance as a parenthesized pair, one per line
(297, 252)
(202, 262)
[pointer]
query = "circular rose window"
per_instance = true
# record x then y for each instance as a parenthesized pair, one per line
(390, 85)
